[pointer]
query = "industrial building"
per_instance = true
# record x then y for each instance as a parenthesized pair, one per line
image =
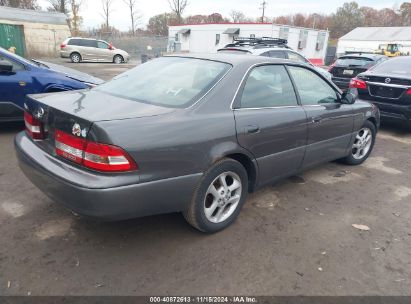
(32, 33)
(372, 39)
(194, 38)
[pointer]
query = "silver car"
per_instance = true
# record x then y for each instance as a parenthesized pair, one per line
(85, 49)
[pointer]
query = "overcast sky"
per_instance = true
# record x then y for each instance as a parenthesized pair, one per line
(91, 10)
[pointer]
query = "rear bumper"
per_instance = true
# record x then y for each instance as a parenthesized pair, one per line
(64, 54)
(100, 200)
(10, 112)
(394, 111)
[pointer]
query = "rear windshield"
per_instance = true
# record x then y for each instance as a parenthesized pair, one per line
(400, 66)
(354, 61)
(173, 82)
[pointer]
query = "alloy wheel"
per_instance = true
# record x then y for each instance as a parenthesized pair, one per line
(222, 197)
(362, 143)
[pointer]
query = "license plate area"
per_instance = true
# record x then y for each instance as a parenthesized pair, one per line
(348, 72)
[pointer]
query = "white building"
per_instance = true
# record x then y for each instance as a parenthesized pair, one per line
(211, 37)
(370, 39)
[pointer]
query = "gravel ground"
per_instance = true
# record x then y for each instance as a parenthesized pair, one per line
(292, 238)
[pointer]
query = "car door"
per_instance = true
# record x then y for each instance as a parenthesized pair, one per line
(89, 48)
(270, 123)
(330, 123)
(104, 52)
(14, 85)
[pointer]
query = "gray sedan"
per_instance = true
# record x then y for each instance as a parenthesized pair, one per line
(191, 134)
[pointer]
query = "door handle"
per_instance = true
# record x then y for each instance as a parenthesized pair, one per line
(316, 119)
(252, 129)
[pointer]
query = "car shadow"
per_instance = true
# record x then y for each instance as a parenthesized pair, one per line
(11, 127)
(396, 127)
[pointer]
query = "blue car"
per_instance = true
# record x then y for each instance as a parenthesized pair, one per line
(19, 77)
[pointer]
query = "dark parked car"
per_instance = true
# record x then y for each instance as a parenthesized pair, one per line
(388, 86)
(348, 66)
(190, 134)
(19, 76)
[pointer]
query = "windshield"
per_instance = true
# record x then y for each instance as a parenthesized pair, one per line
(174, 82)
(354, 61)
(400, 66)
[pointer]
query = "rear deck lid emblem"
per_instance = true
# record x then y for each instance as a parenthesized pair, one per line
(387, 80)
(39, 112)
(76, 130)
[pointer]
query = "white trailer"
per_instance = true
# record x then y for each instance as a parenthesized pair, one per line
(199, 38)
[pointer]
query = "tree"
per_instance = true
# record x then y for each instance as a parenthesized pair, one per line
(237, 16)
(75, 18)
(405, 13)
(178, 7)
(26, 4)
(196, 19)
(107, 9)
(158, 25)
(134, 14)
(347, 17)
(61, 6)
(216, 18)
(299, 20)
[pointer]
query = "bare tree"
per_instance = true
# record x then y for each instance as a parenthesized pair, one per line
(178, 7)
(135, 16)
(76, 19)
(61, 6)
(107, 11)
(237, 16)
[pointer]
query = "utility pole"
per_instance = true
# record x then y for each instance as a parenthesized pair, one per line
(263, 5)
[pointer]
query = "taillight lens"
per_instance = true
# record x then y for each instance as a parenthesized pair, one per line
(356, 83)
(409, 92)
(34, 127)
(93, 155)
(62, 46)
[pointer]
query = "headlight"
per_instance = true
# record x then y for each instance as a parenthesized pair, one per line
(90, 85)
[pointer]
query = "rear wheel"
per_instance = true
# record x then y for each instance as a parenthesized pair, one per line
(219, 197)
(363, 144)
(75, 57)
(118, 59)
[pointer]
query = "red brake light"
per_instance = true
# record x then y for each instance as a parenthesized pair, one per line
(97, 156)
(34, 127)
(62, 46)
(409, 92)
(356, 83)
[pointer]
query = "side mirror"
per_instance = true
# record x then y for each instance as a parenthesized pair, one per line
(6, 67)
(348, 98)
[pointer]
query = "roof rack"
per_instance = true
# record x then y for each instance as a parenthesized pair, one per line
(262, 41)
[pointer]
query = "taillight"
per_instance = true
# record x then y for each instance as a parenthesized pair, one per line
(34, 127)
(409, 92)
(62, 46)
(93, 155)
(356, 83)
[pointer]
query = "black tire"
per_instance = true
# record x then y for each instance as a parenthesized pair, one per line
(119, 58)
(75, 57)
(350, 159)
(195, 213)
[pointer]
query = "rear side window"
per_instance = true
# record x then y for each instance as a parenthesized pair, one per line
(268, 86)
(74, 42)
(277, 54)
(88, 43)
(313, 90)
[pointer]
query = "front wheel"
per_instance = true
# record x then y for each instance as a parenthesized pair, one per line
(118, 59)
(219, 197)
(363, 144)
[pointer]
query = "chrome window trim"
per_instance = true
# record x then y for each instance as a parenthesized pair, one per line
(263, 108)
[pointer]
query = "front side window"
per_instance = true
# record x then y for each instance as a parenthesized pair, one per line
(174, 82)
(268, 86)
(313, 90)
(102, 45)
